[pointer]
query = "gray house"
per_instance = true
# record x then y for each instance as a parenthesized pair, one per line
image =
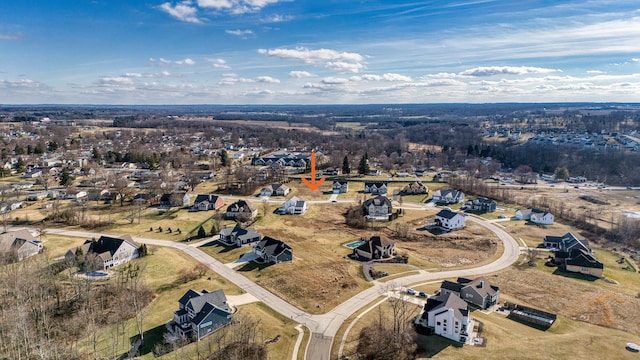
(19, 245)
(272, 250)
(340, 186)
(199, 314)
(238, 236)
(478, 292)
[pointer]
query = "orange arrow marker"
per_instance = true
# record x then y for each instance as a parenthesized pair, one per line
(313, 184)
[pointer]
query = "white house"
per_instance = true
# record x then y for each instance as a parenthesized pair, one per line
(448, 316)
(535, 216)
(450, 220)
(544, 218)
(448, 196)
(293, 206)
(107, 252)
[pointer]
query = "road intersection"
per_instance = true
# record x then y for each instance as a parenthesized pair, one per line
(324, 327)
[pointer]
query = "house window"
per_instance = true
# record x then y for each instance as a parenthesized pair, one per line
(438, 323)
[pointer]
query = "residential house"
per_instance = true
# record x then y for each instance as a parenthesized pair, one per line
(340, 186)
(447, 315)
(176, 199)
(241, 210)
(450, 220)
(448, 196)
(76, 195)
(542, 218)
(536, 216)
(271, 250)
(478, 292)
(375, 187)
(481, 205)
(35, 196)
(199, 314)
(238, 236)
(205, 202)
(107, 251)
(377, 247)
(33, 174)
(19, 245)
(414, 188)
(565, 243)
(293, 206)
(378, 208)
(580, 261)
(275, 190)
(574, 255)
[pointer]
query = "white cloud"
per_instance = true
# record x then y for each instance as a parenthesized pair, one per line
(635, 59)
(134, 75)
(25, 84)
(186, 61)
(300, 74)
(385, 77)
(334, 81)
(218, 63)
(332, 59)
(595, 72)
(267, 79)
(116, 81)
(4, 36)
(240, 33)
(506, 70)
(182, 11)
(236, 6)
(164, 61)
(278, 18)
(313, 56)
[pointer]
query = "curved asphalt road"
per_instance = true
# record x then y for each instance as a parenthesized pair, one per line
(324, 327)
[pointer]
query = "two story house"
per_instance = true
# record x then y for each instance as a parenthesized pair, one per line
(199, 314)
(271, 250)
(107, 251)
(478, 292)
(378, 208)
(447, 315)
(377, 247)
(450, 220)
(241, 210)
(238, 236)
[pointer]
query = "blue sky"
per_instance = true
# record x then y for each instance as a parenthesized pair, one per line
(317, 52)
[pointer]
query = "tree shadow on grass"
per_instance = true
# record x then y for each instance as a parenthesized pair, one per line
(252, 265)
(431, 345)
(573, 275)
(222, 248)
(151, 338)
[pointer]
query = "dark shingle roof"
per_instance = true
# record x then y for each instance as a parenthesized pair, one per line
(451, 286)
(447, 214)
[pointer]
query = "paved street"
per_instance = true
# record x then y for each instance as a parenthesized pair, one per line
(325, 326)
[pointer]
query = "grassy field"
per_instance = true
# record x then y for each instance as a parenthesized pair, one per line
(161, 269)
(507, 339)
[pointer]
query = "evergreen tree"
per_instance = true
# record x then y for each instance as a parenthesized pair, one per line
(20, 165)
(224, 158)
(346, 168)
(363, 166)
(214, 230)
(65, 177)
(201, 232)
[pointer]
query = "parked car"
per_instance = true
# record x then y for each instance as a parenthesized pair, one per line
(422, 294)
(411, 291)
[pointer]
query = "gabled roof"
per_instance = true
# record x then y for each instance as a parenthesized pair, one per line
(206, 197)
(216, 298)
(451, 286)
(580, 257)
(220, 315)
(241, 206)
(375, 241)
(340, 182)
(447, 214)
(379, 200)
(482, 287)
(442, 303)
(567, 242)
(271, 246)
(14, 239)
(108, 245)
